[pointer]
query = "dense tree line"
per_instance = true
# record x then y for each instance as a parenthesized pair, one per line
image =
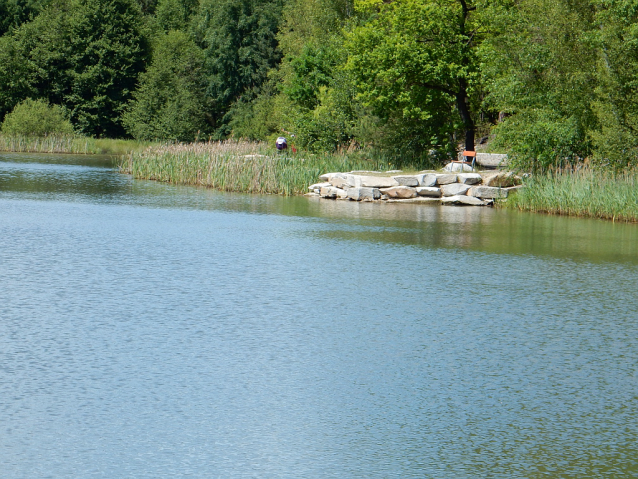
(550, 81)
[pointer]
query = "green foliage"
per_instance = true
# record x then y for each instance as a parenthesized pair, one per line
(14, 13)
(175, 14)
(616, 102)
(107, 53)
(82, 54)
(551, 140)
(240, 46)
(36, 118)
(170, 101)
(540, 69)
(414, 62)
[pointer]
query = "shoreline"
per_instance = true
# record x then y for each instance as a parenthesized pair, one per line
(243, 167)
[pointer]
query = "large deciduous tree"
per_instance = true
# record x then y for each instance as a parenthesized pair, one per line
(417, 59)
(240, 42)
(170, 102)
(83, 54)
(540, 69)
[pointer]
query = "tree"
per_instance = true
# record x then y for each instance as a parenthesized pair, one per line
(615, 102)
(14, 13)
(108, 51)
(239, 39)
(37, 118)
(416, 59)
(170, 102)
(83, 54)
(540, 69)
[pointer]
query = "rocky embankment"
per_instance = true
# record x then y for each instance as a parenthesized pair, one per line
(474, 189)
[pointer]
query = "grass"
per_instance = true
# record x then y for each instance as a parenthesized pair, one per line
(240, 166)
(70, 144)
(585, 192)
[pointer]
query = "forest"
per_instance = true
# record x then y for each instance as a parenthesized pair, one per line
(550, 82)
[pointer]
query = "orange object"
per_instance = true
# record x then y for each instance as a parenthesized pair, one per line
(469, 153)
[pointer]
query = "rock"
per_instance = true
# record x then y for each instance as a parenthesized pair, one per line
(399, 192)
(427, 179)
(445, 179)
(404, 180)
(360, 193)
(318, 186)
(326, 176)
(487, 192)
(339, 181)
(394, 172)
(454, 189)
(463, 200)
(503, 179)
(461, 167)
(491, 160)
(312, 194)
(469, 178)
(428, 191)
(374, 182)
(332, 192)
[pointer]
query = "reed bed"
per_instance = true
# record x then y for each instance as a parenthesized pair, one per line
(48, 144)
(238, 166)
(78, 145)
(584, 192)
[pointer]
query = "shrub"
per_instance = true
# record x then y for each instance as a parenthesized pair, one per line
(37, 118)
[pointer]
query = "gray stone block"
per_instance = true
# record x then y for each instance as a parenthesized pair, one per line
(445, 178)
(469, 178)
(399, 192)
(404, 180)
(454, 189)
(487, 192)
(431, 191)
(362, 193)
(427, 179)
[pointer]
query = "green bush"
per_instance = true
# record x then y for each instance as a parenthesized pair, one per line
(36, 118)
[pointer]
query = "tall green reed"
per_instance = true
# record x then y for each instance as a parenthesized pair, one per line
(238, 166)
(581, 192)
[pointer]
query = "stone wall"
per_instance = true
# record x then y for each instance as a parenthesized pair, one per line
(475, 189)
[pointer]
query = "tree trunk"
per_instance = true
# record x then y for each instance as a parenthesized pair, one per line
(462, 99)
(462, 106)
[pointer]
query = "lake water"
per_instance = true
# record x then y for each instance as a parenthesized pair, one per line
(155, 331)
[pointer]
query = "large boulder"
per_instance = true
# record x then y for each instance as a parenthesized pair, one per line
(399, 192)
(469, 178)
(317, 187)
(362, 193)
(463, 200)
(332, 192)
(487, 192)
(327, 176)
(374, 182)
(431, 191)
(445, 178)
(503, 179)
(459, 167)
(427, 179)
(454, 189)
(339, 181)
(405, 180)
